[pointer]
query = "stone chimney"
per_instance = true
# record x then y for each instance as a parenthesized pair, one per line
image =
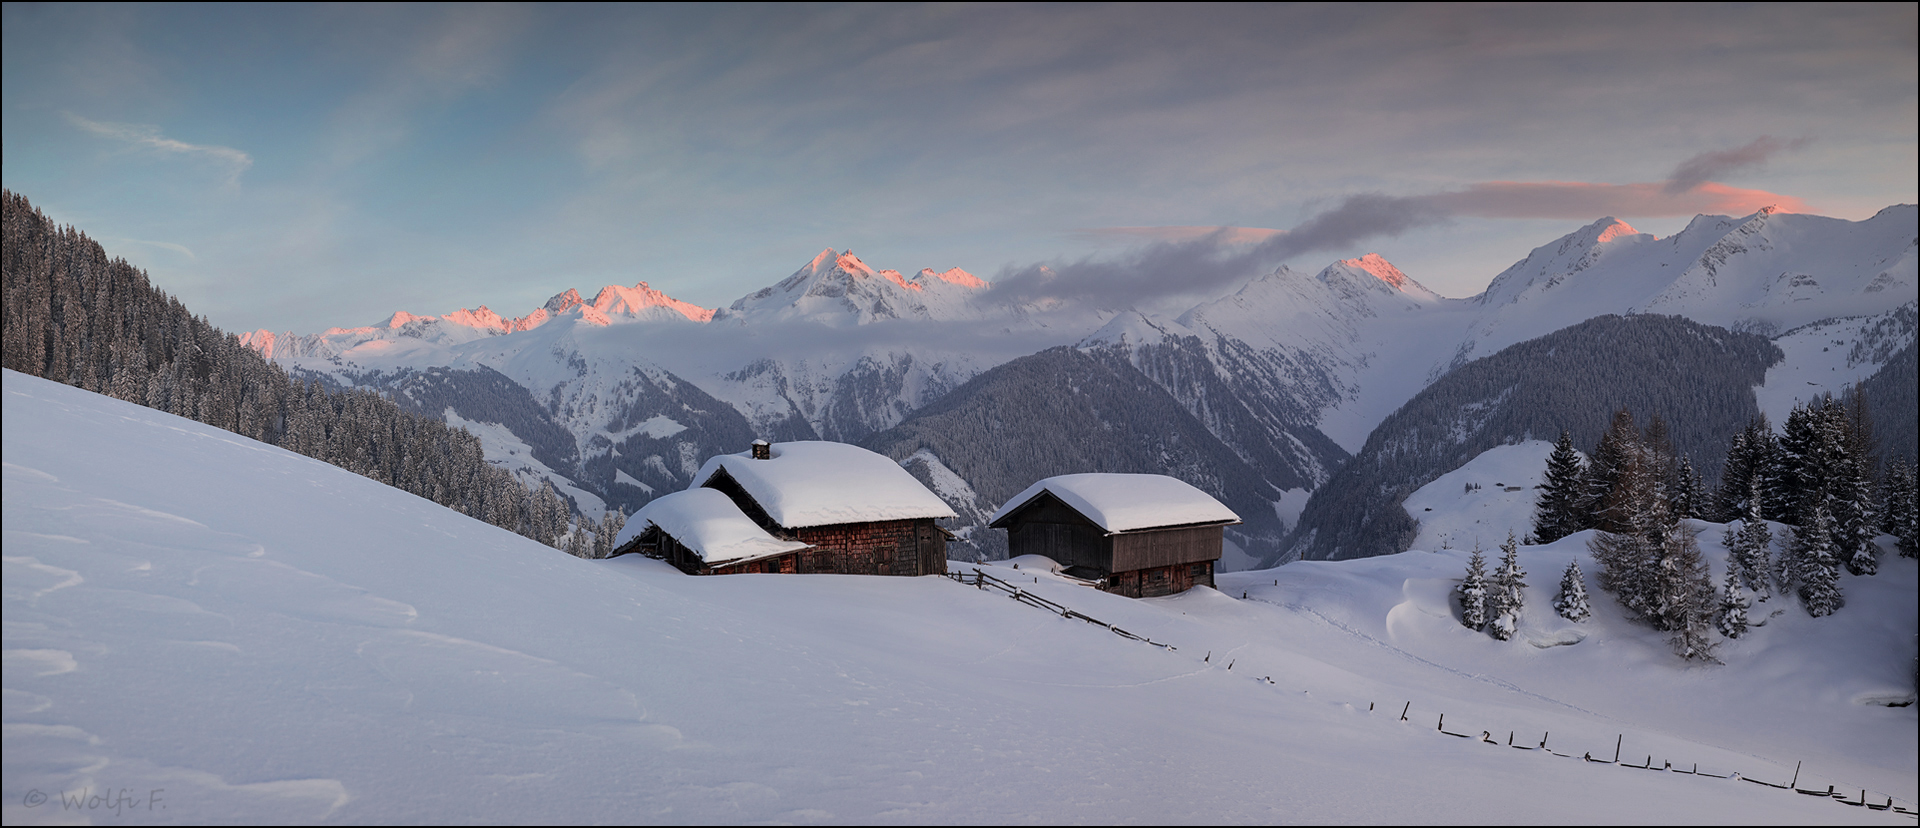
(762, 450)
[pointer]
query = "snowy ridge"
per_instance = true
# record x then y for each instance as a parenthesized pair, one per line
(838, 289)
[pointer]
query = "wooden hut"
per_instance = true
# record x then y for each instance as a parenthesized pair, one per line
(851, 511)
(1138, 535)
(702, 532)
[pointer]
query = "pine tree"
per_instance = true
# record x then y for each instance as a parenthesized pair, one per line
(1749, 549)
(1733, 606)
(1689, 492)
(1558, 512)
(1505, 599)
(1901, 518)
(1629, 556)
(1685, 601)
(1601, 488)
(578, 544)
(1815, 567)
(1473, 591)
(1571, 603)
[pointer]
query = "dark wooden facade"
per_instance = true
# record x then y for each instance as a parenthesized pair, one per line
(654, 543)
(1139, 564)
(909, 547)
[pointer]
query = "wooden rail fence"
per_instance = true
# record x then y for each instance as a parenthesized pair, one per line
(982, 580)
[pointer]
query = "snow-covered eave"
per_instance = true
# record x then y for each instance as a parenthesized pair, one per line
(1008, 515)
(1145, 529)
(756, 557)
(781, 548)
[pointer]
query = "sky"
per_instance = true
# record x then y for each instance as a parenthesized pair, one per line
(300, 167)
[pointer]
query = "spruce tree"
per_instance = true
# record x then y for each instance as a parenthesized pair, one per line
(1600, 488)
(1902, 516)
(1571, 603)
(1505, 599)
(1749, 549)
(1473, 591)
(1685, 608)
(1815, 567)
(1558, 512)
(1733, 607)
(1629, 556)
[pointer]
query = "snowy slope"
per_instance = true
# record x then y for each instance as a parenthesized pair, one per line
(1482, 501)
(258, 637)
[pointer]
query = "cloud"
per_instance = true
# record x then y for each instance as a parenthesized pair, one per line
(1711, 164)
(149, 137)
(1191, 260)
(1583, 201)
(1214, 260)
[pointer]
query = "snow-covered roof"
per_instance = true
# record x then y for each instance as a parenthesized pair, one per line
(1127, 502)
(708, 523)
(816, 483)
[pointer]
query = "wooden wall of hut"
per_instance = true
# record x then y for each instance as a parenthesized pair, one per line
(888, 547)
(1160, 580)
(1167, 547)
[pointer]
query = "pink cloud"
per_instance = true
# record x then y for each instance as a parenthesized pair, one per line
(1583, 201)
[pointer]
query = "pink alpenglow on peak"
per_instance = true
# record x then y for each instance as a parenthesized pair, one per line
(1380, 268)
(630, 301)
(1616, 228)
(953, 276)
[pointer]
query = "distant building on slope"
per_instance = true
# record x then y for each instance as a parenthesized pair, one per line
(1138, 535)
(817, 507)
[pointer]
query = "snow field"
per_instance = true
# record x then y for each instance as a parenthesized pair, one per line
(270, 639)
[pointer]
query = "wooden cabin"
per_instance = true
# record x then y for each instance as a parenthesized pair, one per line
(702, 532)
(1138, 535)
(850, 511)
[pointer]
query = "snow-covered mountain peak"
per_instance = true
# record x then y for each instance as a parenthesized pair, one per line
(1133, 329)
(564, 301)
(642, 300)
(838, 289)
(1550, 265)
(1372, 272)
(952, 276)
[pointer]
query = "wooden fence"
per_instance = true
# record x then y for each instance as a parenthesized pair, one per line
(982, 580)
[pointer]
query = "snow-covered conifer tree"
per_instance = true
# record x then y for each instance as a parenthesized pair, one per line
(1505, 600)
(1685, 601)
(1571, 603)
(1558, 513)
(1733, 606)
(578, 544)
(1749, 549)
(1815, 567)
(1473, 591)
(1901, 515)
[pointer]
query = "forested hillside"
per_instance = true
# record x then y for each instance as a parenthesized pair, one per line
(1697, 378)
(76, 316)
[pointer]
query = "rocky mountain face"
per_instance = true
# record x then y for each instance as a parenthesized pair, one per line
(1288, 378)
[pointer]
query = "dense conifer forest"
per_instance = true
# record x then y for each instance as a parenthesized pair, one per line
(74, 315)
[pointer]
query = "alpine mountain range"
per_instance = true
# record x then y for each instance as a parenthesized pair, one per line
(1312, 404)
